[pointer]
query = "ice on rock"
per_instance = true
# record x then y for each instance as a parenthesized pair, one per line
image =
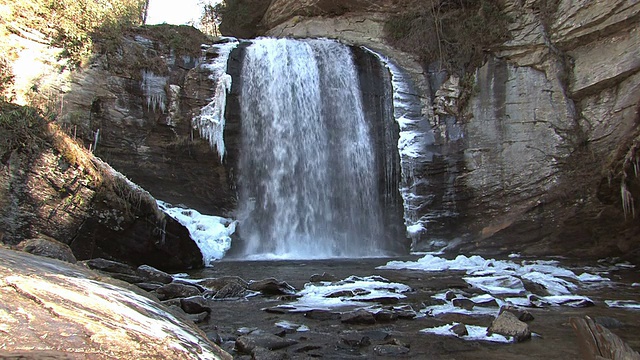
(153, 88)
(211, 121)
(504, 277)
(504, 284)
(476, 333)
(623, 304)
(212, 234)
(364, 290)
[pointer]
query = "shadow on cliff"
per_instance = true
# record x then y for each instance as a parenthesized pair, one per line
(50, 185)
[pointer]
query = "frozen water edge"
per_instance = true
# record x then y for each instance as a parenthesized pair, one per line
(212, 234)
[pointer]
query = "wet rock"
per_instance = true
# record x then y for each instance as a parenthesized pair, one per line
(266, 354)
(307, 348)
(176, 290)
(272, 286)
(521, 314)
(405, 312)
(339, 294)
(110, 266)
(232, 290)
(172, 303)
(216, 284)
(385, 316)
(384, 300)
(48, 247)
(608, 322)
(460, 330)
(395, 341)
(321, 315)
(450, 295)
(376, 335)
(507, 324)
(326, 277)
(148, 286)
(355, 340)
(131, 279)
(390, 350)
(198, 318)
(247, 343)
(487, 303)
(214, 336)
(151, 274)
(195, 304)
(358, 317)
(463, 303)
(190, 283)
(276, 310)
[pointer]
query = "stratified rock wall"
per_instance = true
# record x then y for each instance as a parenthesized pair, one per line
(540, 158)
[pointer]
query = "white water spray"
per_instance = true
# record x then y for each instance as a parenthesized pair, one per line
(308, 188)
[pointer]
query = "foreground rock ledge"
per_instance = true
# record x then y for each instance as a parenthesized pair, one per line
(51, 307)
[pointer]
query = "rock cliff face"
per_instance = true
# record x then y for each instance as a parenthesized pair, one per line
(55, 189)
(541, 158)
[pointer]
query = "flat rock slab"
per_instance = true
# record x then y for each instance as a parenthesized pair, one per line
(62, 309)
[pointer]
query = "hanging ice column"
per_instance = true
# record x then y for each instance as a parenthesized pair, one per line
(211, 120)
(307, 187)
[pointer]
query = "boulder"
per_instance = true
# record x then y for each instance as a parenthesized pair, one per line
(324, 277)
(355, 340)
(195, 304)
(507, 324)
(321, 315)
(272, 286)
(216, 284)
(459, 329)
(232, 290)
(151, 274)
(385, 316)
(247, 343)
(520, 313)
(48, 247)
(358, 317)
(175, 290)
(110, 266)
(49, 304)
(390, 350)
(463, 303)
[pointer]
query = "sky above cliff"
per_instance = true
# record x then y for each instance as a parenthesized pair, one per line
(176, 12)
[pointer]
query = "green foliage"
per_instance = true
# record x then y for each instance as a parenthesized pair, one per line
(71, 24)
(455, 33)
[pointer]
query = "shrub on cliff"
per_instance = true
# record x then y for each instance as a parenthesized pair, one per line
(455, 33)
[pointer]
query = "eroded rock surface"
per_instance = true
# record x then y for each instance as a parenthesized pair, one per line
(51, 308)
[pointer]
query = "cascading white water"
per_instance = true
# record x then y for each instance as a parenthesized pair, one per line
(308, 188)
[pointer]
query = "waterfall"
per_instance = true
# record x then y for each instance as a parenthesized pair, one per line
(308, 187)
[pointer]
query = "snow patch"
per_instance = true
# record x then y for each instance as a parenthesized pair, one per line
(210, 233)
(476, 333)
(363, 290)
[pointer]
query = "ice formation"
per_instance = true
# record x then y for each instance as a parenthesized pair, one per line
(212, 234)
(503, 280)
(363, 290)
(211, 121)
(153, 88)
(476, 333)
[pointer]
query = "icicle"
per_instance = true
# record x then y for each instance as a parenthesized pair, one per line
(628, 205)
(210, 123)
(211, 120)
(153, 89)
